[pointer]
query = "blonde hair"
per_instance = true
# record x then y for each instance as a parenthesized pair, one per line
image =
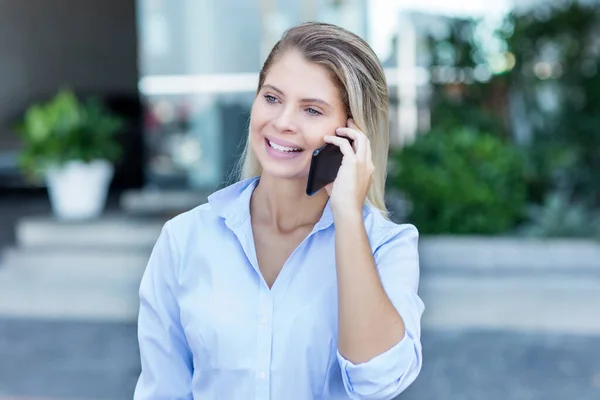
(359, 75)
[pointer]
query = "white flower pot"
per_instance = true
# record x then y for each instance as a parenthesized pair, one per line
(78, 190)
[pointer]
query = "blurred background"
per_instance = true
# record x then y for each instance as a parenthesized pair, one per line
(495, 131)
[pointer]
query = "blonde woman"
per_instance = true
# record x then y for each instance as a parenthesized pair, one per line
(267, 293)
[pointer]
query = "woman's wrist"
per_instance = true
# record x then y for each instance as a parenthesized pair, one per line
(347, 215)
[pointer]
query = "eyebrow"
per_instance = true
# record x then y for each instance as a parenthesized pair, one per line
(308, 100)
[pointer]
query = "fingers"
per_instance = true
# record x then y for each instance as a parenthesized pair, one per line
(361, 142)
(343, 144)
(350, 134)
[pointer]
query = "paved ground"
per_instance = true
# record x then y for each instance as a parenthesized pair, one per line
(67, 359)
(76, 360)
(508, 366)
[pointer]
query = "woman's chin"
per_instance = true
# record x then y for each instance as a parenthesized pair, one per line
(281, 172)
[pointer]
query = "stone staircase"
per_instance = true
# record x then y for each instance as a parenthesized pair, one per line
(91, 271)
(84, 270)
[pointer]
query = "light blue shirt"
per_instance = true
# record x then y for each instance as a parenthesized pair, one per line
(210, 327)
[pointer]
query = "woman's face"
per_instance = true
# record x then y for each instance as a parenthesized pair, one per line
(296, 107)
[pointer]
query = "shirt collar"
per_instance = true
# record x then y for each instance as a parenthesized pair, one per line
(233, 204)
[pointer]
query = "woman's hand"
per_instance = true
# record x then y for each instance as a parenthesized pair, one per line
(349, 190)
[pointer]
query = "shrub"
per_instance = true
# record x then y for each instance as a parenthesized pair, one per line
(461, 182)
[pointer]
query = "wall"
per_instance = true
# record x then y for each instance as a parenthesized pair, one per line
(89, 45)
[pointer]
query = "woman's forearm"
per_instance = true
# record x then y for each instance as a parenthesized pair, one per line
(368, 323)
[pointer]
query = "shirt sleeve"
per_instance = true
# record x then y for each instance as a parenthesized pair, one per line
(165, 355)
(390, 373)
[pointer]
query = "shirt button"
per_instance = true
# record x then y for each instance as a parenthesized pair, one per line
(262, 374)
(263, 320)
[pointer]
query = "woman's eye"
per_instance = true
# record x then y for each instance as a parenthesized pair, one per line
(270, 99)
(312, 111)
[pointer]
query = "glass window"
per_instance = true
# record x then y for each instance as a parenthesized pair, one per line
(199, 64)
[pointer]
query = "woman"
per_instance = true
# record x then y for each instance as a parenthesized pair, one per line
(267, 293)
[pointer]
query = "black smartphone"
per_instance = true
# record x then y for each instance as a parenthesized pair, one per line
(324, 166)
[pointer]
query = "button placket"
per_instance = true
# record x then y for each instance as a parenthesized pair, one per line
(264, 344)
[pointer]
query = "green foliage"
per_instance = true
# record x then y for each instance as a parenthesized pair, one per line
(462, 182)
(546, 100)
(558, 216)
(65, 129)
(556, 73)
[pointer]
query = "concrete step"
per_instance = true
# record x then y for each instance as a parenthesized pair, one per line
(149, 201)
(78, 265)
(113, 231)
(567, 304)
(527, 303)
(81, 283)
(509, 254)
(104, 288)
(24, 294)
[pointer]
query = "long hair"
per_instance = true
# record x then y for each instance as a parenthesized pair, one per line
(359, 76)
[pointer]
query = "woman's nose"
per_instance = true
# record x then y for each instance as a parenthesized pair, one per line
(285, 120)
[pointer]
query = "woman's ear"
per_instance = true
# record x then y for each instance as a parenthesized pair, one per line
(349, 116)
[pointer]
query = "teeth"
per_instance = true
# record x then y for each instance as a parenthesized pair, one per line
(282, 148)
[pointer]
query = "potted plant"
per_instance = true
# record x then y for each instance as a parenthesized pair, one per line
(71, 145)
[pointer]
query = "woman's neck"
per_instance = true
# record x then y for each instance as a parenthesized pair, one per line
(283, 204)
